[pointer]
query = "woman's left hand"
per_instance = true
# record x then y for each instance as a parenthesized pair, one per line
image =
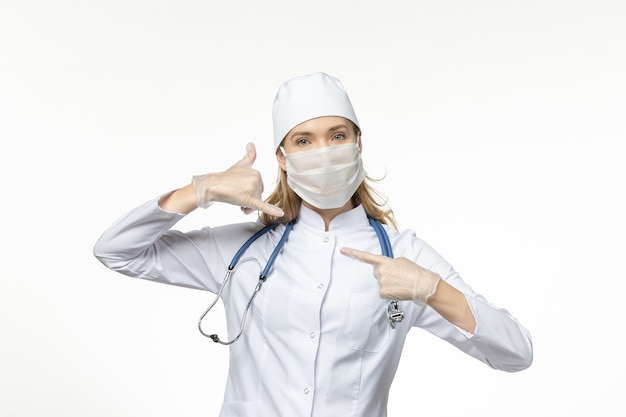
(398, 278)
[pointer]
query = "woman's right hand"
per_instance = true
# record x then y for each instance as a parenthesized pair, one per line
(240, 185)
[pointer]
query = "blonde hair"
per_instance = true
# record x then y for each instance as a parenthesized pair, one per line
(373, 202)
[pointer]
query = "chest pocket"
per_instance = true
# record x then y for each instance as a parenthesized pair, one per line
(366, 327)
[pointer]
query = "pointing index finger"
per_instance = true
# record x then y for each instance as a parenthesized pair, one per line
(270, 209)
(363, 256)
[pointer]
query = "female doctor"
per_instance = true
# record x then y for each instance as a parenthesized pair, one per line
(319, 305)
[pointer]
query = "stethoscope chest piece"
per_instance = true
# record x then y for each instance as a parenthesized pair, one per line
(394, 314)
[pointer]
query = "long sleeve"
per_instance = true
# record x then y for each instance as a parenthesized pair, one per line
(499, 341)
(140, 244)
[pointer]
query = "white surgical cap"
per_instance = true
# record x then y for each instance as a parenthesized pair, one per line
(307, 97)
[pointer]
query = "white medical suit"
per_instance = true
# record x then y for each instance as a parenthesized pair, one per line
(316, 341)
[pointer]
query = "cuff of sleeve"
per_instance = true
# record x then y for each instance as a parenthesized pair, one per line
(162, 196)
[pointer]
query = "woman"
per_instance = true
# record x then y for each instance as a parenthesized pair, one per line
(321, 336)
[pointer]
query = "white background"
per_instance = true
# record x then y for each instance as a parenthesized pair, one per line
(499, 125)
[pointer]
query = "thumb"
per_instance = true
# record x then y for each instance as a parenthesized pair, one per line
(250, 156)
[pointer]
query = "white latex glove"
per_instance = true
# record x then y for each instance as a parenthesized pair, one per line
(240, 185)
(398, 278)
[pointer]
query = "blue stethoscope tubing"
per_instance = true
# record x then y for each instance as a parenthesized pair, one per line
(394, 315)
(383, 237)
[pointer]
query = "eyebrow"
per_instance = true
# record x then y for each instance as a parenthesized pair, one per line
(305, 133)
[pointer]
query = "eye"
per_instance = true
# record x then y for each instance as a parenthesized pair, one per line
(302, 141)
(339, 136)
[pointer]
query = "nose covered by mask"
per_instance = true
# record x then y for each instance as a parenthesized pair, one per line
(327, 177)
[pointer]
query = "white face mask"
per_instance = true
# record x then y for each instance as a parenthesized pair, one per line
(327, 177)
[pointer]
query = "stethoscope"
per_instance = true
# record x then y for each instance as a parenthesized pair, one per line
(394, 314)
